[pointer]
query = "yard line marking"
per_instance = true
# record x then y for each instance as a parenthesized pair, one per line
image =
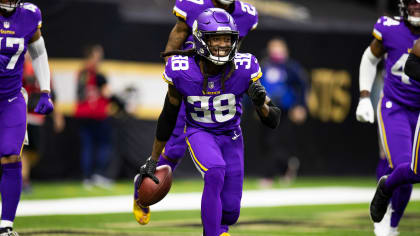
(192, 201)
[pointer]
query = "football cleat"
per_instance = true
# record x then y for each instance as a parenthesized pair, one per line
(225, 234)
(393, 232)
(380, 201)
(8, 232)
(141, 214)
(383, 228)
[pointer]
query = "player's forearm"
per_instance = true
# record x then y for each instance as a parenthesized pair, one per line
(39, 56)
(263, 110)
(157, 149)
(177, 37)
(367, 71)
(166, 124)
(269, 114)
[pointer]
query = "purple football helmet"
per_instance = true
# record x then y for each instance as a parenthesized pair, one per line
(10, 5)
(413, 20)
(215, 21)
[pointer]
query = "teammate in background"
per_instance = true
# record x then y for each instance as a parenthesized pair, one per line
(408, 172)
(20, 31)
(399, 107)
(211, 80)
(246, 18)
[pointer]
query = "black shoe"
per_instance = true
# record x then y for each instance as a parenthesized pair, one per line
(8, 231)
(380, 201)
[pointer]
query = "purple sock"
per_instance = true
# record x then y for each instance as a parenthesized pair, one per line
(10, 187)
(211, 203)
(228, 218)
(382, 168)
(165, 161)
(400, 176)
(400, 199)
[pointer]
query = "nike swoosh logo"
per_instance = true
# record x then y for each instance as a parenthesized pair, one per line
(12, 99)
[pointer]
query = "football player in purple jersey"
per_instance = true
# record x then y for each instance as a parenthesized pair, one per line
(398, 109)
(245, 15)
(20, 25)
(211, 80)
(246, 18)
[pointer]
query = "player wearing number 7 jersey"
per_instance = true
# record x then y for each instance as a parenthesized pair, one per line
(211, 81)
(399, 107)
(246, 18)
(20, 25)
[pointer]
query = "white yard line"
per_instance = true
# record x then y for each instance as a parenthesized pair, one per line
(192, 201)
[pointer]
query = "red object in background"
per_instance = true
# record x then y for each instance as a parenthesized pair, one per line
(93, 105)
(28, 79)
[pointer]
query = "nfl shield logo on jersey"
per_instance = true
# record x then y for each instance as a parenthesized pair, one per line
(6, 24)
(211, 85)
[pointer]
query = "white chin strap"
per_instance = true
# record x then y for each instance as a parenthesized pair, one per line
(226, 2)
(414, 21)
(6, 7)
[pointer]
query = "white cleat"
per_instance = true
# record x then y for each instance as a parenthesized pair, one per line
(384, 228)
(394, 232)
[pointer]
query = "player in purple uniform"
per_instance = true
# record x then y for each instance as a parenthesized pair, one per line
(20, 25)
(246, 18)
(399, 107)
(211, 80)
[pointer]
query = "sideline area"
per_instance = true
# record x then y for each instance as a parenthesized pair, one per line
(192, 201)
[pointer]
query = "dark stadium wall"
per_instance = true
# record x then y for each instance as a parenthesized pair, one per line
(331, 142)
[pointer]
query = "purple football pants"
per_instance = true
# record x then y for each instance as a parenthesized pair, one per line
(176, 146)
(220, 159)
(407, 173)
(12, 125)
(397, 125)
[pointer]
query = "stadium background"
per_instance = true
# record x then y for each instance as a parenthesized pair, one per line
(328, 37)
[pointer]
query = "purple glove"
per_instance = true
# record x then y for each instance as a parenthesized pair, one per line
(45, 105)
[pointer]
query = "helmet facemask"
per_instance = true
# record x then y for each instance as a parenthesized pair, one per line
(410, 11)
(10, 5)
(218, 54)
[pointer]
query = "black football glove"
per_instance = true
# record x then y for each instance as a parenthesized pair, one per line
(257, 93)
(147, 170)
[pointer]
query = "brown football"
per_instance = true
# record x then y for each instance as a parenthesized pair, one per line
(150, 192)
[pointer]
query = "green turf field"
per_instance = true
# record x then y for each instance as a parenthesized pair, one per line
(328, 220)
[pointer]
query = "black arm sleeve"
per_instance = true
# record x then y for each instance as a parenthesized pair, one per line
(273, 118)
(412, 67)
(167, 120)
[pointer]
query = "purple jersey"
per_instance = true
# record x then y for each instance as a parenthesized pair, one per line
(397, 40)
(15, 33)
(214, 110)
(244, 14)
